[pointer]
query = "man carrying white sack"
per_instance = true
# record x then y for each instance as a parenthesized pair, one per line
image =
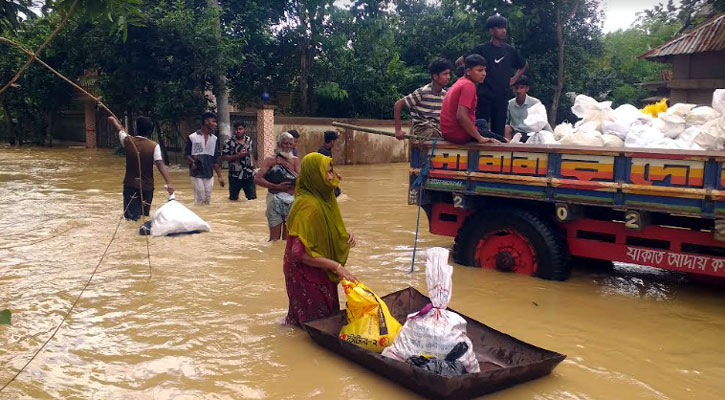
(142, 154)
(518, 111)
(434, 331)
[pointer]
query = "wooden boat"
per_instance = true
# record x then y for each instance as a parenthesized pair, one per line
(505, 361)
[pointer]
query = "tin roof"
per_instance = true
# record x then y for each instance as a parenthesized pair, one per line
(708, 36)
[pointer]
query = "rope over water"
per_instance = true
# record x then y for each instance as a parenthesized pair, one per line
(33, 56)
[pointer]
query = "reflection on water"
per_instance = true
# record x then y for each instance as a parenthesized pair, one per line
(207, 324)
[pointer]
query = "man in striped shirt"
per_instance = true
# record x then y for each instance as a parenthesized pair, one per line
(425, 103)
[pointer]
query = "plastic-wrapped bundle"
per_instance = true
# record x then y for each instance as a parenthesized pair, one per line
(590, 110)
(174, 218)
(536, 118)
(671, 125)
(702, 115)
(434, 331)
(718, 100)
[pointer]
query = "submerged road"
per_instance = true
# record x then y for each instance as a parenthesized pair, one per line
(206, 325)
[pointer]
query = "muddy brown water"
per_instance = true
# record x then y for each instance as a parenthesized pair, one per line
(206, 325)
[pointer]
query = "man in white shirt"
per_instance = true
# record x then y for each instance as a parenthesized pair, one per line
(141, 155)
(203, 153)
(518, 110)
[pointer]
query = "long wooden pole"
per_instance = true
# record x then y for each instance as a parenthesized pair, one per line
(374, 131)
(32, 56)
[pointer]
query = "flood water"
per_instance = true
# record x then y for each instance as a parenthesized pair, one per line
(204, 321)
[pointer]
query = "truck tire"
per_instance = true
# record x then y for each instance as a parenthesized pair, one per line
(513, 240)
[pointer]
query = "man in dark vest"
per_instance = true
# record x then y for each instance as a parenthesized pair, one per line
(138, 182)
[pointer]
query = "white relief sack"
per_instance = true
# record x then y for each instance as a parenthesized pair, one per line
(590, 110)
(563, 130)
(536, 118)
(173, 217)
(643, 136)
(718, 100)
(671, 125)
(543, 137)
(434, 330)
(701, 116)
(712, 135)
(680, 109)
(612, 141)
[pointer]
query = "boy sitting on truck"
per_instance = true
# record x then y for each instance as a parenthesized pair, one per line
(425, 103)
(458, 113)
(518, 110)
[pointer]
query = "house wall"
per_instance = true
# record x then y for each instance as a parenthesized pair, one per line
(352, 147)
(696, 76)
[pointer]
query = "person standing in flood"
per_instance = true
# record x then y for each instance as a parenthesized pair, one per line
(296, 136)
(326, 148)
(140, 148)
(278, 174)
(318, 244)
(202, 153)
(238, 152)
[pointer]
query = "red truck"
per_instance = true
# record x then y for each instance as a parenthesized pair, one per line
(529, 208)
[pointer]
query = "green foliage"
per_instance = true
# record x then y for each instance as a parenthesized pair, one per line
(355, 59)
(38, 94)
(5, 317)
(11, 11)
(621, 60)
(119, 14)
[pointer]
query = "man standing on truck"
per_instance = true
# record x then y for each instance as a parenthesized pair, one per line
(518, 110)
(505, 67)
(425, 103)
(458, 112)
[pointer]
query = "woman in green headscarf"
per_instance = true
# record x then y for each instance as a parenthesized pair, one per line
(317, 243)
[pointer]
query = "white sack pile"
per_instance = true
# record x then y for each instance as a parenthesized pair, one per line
(682, 126)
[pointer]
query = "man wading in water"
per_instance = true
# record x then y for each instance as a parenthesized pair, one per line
(278, 174)
(202, 153)
(149, 153)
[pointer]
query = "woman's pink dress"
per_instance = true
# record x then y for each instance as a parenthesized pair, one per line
(311, 293)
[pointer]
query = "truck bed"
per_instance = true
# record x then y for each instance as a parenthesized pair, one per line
(679, 182)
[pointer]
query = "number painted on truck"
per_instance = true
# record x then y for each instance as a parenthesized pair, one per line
(632, 220)
(458, 200)
(562, 213)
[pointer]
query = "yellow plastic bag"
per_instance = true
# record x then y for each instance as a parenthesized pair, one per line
(370, 324)
(656, 108)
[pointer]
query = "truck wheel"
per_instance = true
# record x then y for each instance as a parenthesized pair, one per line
(513, 240)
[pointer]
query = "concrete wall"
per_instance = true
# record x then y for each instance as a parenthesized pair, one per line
(352, 147)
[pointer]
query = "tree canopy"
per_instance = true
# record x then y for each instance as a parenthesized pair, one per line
(315, 57)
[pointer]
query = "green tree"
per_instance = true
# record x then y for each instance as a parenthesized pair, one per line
(34, 100)
(11, 12)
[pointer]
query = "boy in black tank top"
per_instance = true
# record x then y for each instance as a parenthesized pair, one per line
(504, 66)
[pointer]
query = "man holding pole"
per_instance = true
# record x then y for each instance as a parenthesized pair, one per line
(142, 154)
(425, 103)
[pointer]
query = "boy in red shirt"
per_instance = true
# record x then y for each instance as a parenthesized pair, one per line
(458, 113)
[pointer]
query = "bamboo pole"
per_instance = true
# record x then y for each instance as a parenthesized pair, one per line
(33, 56)
(374, 131)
